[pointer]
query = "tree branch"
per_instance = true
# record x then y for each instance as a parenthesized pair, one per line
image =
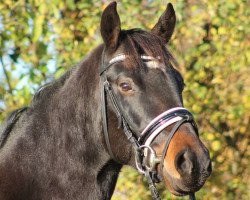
(6, 76)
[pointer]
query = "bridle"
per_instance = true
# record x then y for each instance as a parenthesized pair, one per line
(145, 156)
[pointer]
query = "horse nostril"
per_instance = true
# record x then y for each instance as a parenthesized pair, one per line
(185, 162)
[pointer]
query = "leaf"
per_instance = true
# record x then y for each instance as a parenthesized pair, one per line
(38, 28)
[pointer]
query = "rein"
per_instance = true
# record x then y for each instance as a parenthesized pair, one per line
(145, 156)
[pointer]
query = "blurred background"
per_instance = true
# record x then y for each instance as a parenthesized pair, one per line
(41, 39)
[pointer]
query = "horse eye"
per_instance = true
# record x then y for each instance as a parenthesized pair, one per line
(125, 87)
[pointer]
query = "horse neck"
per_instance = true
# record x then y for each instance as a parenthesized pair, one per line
(76, 118)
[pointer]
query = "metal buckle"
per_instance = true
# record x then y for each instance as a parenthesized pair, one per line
(138, 161)
(152, 162)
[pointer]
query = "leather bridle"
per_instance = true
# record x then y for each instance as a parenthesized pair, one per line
(145, 156)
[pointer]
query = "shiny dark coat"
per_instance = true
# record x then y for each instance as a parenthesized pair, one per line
(55, 148)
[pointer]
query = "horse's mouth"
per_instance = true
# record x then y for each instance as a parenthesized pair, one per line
(178, 188)
(180, 192)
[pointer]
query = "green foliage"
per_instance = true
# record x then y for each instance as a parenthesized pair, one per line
(40, 39)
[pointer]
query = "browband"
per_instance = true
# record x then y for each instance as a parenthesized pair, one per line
(121, 57)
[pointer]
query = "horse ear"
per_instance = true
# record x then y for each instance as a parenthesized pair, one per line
(165, 25)
(110, 26)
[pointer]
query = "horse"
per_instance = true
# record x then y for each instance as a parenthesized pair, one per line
(122, 105)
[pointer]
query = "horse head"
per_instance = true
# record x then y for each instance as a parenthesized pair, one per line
(144, 91)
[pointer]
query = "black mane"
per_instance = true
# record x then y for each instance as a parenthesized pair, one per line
(48, 89)
(42, 94)
(9, 124)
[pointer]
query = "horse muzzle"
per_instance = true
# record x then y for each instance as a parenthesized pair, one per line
(183, 167)
(187, 172)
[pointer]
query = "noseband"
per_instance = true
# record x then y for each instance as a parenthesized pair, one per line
(145, 156)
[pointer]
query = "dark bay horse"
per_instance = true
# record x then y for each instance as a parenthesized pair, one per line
(122, 105)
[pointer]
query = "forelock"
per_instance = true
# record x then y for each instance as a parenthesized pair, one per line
(137, 42)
